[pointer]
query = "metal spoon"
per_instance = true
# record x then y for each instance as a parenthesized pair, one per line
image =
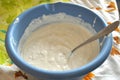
(98, 35)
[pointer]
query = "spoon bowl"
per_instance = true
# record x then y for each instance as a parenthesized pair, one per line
(104, 32)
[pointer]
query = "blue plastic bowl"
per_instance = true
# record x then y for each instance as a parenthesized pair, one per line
(17, 28)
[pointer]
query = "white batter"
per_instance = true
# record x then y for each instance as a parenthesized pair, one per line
(48, 47)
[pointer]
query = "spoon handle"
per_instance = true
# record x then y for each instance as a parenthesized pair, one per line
(100, 34)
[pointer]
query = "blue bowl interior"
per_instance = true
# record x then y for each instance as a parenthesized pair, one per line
(16, 30)
(47, 9)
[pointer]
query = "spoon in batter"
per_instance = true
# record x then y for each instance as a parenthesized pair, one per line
(103, 32)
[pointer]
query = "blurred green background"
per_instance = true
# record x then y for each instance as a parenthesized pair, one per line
(9, 10)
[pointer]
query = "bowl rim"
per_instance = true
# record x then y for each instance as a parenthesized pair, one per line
(61, 74)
